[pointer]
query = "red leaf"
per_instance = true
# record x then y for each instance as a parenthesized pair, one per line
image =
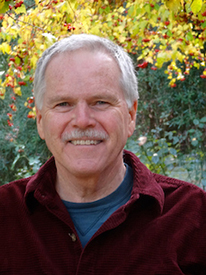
(143, 65)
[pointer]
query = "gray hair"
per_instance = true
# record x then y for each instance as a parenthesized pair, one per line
(91, 43)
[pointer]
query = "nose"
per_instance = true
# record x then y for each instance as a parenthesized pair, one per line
(83, 116)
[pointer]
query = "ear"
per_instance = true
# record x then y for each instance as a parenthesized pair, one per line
(39, 123)
(132, 118)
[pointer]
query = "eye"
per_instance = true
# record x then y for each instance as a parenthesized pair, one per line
(63, 104)
(101, 102)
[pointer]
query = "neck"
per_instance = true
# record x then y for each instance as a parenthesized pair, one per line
(91, 188)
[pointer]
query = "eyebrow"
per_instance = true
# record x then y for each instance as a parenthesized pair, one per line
(58, 98)
(105, 97)
(101, 96)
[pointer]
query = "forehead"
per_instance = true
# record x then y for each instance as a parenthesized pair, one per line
(82, 63)
(82, 71)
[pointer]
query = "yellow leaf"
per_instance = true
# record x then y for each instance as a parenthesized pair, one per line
(21, 9)
(172, 81)
(173, 5)
(196, 6)
(50, 39)
(121, 39)
(31, 114)
(95, 29)
(17, 91)
(121, 10)
(1, 4)
(150, 60)
(4, 6)
(162, 57)
(33, 60)
(2, 92)
(180, 57)
(5, 48)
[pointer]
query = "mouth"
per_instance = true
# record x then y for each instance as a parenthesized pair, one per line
(85, 142)
(87, 137)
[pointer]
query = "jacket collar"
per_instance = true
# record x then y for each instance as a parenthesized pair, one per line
(41, 186)
(144, 181)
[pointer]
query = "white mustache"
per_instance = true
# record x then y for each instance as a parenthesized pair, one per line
(78, 134)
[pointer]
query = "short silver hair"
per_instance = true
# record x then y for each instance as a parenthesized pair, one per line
(90, 43)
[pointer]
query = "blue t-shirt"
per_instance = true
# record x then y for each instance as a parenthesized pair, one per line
(88, 217)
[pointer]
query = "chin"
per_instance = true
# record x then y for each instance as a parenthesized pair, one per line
(84, 172)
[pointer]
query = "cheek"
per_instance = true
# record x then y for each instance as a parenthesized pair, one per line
(54, 125)
(116, 123)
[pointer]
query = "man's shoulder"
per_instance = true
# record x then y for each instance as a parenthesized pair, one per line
(181, 192)
(13, 191)
(19, 187)
(168, 182)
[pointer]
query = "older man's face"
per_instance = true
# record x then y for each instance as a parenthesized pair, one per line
(85, 119)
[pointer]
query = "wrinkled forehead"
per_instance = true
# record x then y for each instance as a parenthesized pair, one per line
(103, 52)
(80, 65)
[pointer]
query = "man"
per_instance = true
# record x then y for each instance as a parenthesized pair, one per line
(94, 208)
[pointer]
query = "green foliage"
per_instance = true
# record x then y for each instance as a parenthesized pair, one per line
(162, 157)
(22, 151)
(180, 108)
(174, 122)
(156, 153)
